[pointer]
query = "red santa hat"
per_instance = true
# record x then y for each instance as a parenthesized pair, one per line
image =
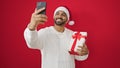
(62, 8)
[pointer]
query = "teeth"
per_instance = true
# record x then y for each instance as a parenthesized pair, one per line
(59, 20)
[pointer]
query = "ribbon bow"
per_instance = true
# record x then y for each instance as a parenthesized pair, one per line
(77, 36)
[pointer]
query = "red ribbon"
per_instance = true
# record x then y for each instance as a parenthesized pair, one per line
(76, 36)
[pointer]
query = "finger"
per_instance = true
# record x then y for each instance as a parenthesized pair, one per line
(41, 19)
(39, 10)
(80, 46)
(84, 45)
(78, 50)
(84, 53)
(42, 16)
(35, 10)
(85, 49)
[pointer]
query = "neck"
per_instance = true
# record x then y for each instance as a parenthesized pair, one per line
(59, 28)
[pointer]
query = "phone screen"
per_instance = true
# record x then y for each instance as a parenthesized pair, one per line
(41, 5)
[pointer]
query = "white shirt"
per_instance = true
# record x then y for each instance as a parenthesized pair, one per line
(54, 47)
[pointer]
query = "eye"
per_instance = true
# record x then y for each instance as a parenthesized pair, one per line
(63, 14)
(57, 13)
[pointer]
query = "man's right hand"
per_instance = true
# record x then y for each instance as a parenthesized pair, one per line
(37, 19)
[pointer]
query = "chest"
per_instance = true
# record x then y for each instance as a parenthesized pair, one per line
(57, 43)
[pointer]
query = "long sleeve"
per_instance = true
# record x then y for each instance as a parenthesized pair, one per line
(32, 39)
(81, 58)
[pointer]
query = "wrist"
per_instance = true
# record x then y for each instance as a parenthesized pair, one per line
(32, 26)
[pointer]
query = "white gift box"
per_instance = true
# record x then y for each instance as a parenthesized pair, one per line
(77, 39)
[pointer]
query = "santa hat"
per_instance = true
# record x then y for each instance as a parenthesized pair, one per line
(64, 9)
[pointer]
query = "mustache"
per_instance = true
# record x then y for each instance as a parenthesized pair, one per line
(59, 18)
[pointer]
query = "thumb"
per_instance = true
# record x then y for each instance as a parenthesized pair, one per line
(39, 10)
(35, 10)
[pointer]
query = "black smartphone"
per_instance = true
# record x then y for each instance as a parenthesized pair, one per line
(41, 5)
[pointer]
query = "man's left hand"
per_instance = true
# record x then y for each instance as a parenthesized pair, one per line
(82, 50)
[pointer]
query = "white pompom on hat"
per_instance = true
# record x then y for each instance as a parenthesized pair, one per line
(62, 8)
(71, 23)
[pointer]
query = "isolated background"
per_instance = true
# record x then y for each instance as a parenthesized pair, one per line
(100, 18)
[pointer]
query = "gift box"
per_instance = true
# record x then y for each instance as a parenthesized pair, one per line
(77, 39)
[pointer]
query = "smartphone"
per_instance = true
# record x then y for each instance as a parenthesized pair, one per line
(41, 5)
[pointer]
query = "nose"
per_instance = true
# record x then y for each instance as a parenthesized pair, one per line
(59, 16)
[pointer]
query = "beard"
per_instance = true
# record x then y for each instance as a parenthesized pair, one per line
(59, 21)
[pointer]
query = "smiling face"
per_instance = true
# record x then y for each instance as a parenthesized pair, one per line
(60, 18)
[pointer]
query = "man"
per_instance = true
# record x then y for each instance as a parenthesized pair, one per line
(53, 41)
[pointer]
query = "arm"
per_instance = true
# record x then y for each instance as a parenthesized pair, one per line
(32, 38)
